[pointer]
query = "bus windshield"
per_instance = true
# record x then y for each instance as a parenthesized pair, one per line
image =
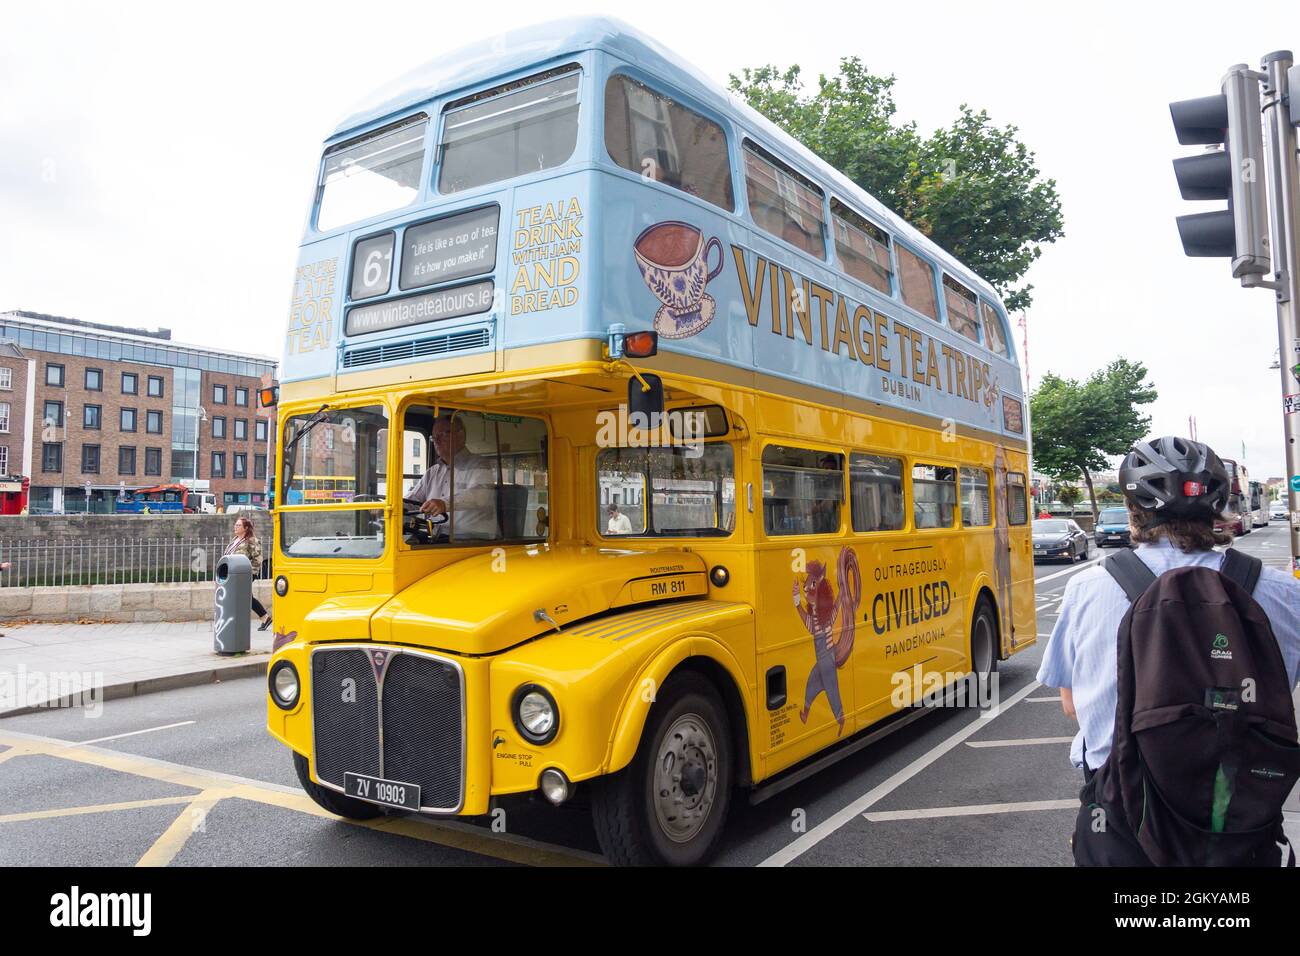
(472, 477)
(337, 461)
(374, 173)
(512, 130)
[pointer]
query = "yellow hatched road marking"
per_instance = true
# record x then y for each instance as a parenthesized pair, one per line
(92, 808)
(186, 824)
(214, 786)
(14, 751)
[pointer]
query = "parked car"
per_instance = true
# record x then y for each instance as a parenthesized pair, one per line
(1112, 528)
(1057, 538)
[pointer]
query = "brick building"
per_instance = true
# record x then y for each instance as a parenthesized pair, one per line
(106, 409)
(17, 374)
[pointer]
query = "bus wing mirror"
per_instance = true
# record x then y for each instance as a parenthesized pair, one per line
(643, 401)
(268, 397)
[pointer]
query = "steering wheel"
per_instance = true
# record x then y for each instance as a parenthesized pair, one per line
(421, 528)
(369, 498)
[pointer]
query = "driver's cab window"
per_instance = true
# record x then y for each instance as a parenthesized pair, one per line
(472, 477)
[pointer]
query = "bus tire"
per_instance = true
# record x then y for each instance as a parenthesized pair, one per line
(336, 803)
(637, 812)
(983, 645)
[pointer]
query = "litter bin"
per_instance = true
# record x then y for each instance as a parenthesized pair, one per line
(232, 618)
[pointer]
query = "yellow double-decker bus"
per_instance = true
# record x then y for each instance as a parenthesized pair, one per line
(673, 454)
(321, 488)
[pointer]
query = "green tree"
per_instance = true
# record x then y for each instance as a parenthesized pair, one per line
(1070, 496)
(1078, 426)
(972, 187)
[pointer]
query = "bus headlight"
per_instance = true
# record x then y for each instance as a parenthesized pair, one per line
(283, 681)
(536, 716)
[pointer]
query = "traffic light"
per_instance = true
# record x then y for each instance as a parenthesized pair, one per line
(1234, 173)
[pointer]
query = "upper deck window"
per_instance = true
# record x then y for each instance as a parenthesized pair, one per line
(662, 140)
(961, 308)
(512, 130)
(863, 248)
(371, 174)
(784, 203)
(916, 276)
(994, 337)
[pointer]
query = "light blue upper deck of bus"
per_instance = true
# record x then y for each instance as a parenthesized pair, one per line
(565, 252)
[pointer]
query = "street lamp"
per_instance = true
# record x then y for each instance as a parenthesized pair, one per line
(63, 461)
(200, 415)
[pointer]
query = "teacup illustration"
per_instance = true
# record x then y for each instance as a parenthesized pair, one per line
(673, 259)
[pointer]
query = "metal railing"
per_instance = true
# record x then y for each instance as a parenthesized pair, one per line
(59, 563)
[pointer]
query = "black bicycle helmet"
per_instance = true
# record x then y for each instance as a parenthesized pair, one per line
(1176, 477)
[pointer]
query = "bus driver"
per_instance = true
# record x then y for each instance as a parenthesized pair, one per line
(474, 498)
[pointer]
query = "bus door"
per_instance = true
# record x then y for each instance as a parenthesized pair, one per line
(1012, 524)
(808, 586)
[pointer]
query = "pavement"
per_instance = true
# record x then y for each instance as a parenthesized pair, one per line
(86, 664)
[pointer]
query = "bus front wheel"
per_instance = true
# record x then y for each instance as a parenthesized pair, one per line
(336, 803)
(669, 805)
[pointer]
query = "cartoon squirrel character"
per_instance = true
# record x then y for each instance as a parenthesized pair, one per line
(820, 614)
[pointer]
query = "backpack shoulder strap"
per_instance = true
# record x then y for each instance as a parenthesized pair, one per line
(1241, 568)
(1130, 572)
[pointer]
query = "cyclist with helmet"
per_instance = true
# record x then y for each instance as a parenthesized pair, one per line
(1174, 489)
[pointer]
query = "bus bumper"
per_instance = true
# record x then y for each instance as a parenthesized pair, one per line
(392, 713)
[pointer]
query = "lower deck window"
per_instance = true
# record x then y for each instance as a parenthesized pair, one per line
(976, 504)
(934, 495)
(682, 491)
(876, 490)
(802, 490)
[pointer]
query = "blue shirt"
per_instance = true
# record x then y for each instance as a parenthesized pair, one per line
(1081, 654)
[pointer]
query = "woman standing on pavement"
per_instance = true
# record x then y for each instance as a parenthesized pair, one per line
(245, 542)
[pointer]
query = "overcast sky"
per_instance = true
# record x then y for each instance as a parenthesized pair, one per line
(156, 160)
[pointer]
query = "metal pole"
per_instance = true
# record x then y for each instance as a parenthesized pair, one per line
(1284, 176)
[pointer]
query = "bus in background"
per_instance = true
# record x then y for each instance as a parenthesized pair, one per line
(311, 488)
(160, 499)
(562, 270)
(1236, 519)
(1257, 501)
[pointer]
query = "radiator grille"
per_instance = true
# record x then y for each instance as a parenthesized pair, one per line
(422, 718)
(345, 715)
(417, 697)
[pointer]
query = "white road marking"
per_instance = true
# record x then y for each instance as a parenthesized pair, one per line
(147, 730)
(1042, 700)
(930, 813)
(859, 806)
(1023, 742)
(1069, 570)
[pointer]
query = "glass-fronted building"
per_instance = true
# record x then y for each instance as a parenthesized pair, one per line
(110, 409)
